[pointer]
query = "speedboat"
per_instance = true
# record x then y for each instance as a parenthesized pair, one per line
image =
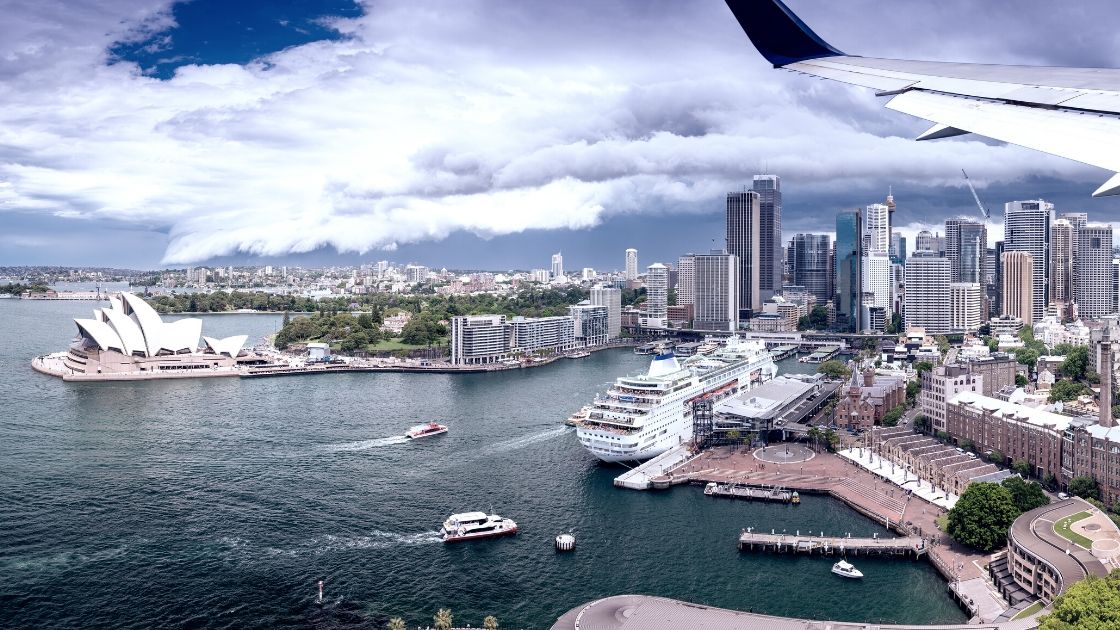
(472, 525)
(843, 569)
(425, 430)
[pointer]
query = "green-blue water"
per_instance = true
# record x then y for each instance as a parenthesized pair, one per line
(220, 503)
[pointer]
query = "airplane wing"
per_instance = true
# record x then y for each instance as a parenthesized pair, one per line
(1069, 112)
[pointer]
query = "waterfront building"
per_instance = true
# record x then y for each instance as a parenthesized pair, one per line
(927, 286)
(1019, 432)
(867, 398)
(779, 315)
(558, 265)
(1062, 239)
(1019, 286)
(680, 315)
(686, 283)
(129, 339)
(541, 334)
(1092, 450)
(591, 324)
(811, 256)
(966, 303)
(769, 189)
(742, 224)
(631, 273)
(716, 305)
(847, 269)
(1027, 229)
(479, 339)
(611, 298)
(1093, 272)
(657, 296)
(940, 385)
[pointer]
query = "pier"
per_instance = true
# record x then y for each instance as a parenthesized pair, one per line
(751, 493)
(783, 352)
(821, 355)
(828, 545)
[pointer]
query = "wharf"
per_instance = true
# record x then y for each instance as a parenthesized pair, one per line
(738, 491)
(783, 352)
(821, 355)
(828, 545)
(642, 477)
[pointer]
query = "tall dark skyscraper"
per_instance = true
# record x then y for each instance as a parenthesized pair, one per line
(849, 239)
(966, 247)
(812, 268)
(743, 211)
(769, 189)
(1027, 229)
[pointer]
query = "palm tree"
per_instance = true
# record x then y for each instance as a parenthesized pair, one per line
(443, 619)
(396, 623)
(815, 436)
(490, 622)
(733, 435)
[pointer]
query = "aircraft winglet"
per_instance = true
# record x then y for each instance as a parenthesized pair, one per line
(778, 33)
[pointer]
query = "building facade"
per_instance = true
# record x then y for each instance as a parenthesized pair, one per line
(657, 295)
(1017, 431)
(1062, 237)
(769, 189)
(743, 234)
(631, 272)
(479, 339)
(1019, 287)
(611, 298)
(1093, 272)
(847, 257)
(591, 324)
(966, 303)
(686, 284)
(927, 286)
(811, 256)
(716, 302)
(1027, 229)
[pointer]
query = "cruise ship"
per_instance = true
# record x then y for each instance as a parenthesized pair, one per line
(643, 416)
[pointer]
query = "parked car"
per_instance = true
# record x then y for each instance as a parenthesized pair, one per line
(1063, 496)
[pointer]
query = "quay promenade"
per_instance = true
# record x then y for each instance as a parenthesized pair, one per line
(871, 495)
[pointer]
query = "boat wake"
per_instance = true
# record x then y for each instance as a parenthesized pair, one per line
(329, 543)
(523, 441)
(364, 445)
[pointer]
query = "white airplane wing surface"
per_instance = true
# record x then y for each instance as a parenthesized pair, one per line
(1069, 112)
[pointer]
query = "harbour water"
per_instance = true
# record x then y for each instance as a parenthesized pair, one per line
(221, 503)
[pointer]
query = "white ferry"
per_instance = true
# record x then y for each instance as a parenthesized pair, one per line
(426, 430)
(472, 525)
(643, 416)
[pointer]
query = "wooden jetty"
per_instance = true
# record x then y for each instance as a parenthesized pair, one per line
(738, 491)
(828, 545)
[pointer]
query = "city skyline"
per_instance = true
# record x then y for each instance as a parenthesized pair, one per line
(686, 124)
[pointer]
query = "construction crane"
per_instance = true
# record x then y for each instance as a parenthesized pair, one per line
(983, 210)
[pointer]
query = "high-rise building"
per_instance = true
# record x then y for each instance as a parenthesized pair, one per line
(631, 273)
(876, 269)
(876, 225)
(927, 241)
(966, 303)
(686, 284)
(657, 292)
(966, 247)
(769, 189)
(591, 324)
(849, 238)
(1018, 286)
(811, 254)
(717, 291)
(1062, 239)
(743, 212)
(898, 248)
(557, 265)
(927, 286)
(1027, 229)
(1093, 272)
(479, 339)
(997, 284)
(611, 298)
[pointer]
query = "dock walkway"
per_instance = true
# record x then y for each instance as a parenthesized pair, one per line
(827, 545)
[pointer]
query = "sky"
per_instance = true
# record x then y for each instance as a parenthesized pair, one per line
(482, 134)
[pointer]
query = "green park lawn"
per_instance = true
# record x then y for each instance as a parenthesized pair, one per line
(1062, 528)
(1028, 611)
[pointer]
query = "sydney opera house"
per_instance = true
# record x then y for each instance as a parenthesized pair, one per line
(130, 341)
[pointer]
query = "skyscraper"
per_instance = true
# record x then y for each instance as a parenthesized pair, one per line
(810, 254)
(1093, 272)
(876, 225)
(686, 282)
(966, 247)
(657, 291)
(876, 269)
(966, 306)
(849, 237)
(1027, 229)
(631, 272)
(927, 292)
(1018, 286)
(1062, 239)
(769, 189)
(610, 297)
(743, 224)
(716, 304)
(557, 265)
(898, 248)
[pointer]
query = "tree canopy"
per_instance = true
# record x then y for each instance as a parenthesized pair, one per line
(1085, 487)
(834, 369)
(982, 515)
(1076, 363)
(817, 319)
(1090, 604)
(923, 366)
(1064, 390)
(1027, 495)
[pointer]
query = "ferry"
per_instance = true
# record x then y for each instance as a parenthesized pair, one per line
(475, 525)
(640, 417)
(425, 430)
(843, 569)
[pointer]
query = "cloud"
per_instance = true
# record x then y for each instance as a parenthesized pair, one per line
(428, 119)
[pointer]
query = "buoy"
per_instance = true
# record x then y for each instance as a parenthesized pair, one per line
(565, 542)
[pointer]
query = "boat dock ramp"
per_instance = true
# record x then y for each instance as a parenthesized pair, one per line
(751, 493)
(827, 545)
(642, 477)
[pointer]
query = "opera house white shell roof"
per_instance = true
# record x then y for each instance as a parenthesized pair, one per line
(132, 327)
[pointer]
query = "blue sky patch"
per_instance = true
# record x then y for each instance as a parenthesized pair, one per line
(219, 31)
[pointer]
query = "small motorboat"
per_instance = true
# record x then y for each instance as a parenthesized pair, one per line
(844, 569)
(474, 525)
(795, 499)
(425, 430)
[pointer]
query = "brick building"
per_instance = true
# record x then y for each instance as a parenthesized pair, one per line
(1019, 432)
(867, 398)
